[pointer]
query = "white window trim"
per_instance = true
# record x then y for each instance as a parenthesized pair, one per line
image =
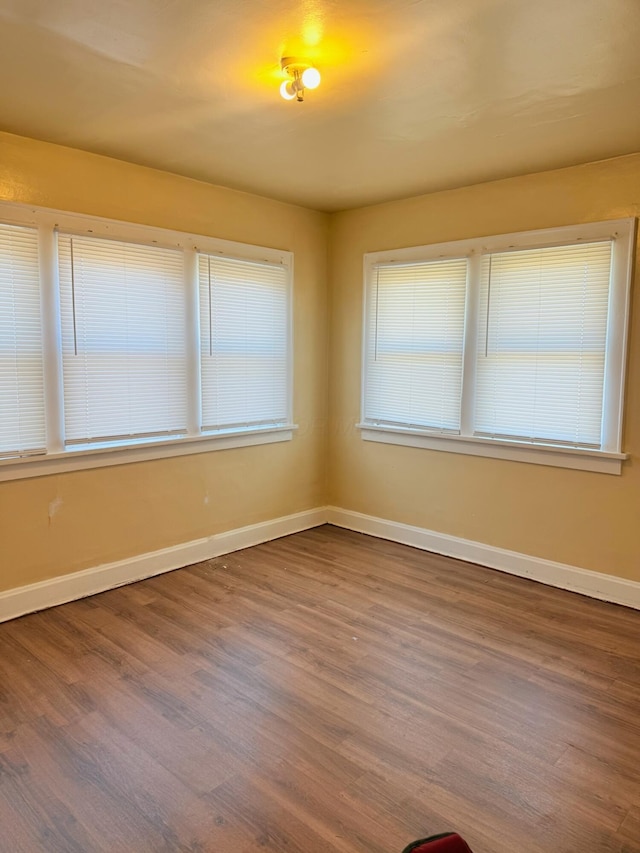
(607, 460)
(20, 468)
(58, 459)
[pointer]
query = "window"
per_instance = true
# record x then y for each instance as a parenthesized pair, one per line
(120, 343)
(21, 373)
(123, 340)
(512, 346)
(243, 342)
(414, 353)
(542, 344)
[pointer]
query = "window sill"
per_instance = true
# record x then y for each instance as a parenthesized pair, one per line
(537, 454)
(119, 454)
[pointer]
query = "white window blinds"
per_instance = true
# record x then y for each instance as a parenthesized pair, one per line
(22, 422)
(123, 339)
(414, 344)
(542, 343)
(244, 342)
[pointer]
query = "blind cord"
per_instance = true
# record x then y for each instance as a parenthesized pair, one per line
(73, 300)
(486, 334)
(210, 311)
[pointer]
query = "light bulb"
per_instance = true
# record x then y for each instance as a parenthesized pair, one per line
(311, 78)
(287, 91)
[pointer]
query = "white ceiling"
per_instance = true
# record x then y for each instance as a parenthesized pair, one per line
(417, 95)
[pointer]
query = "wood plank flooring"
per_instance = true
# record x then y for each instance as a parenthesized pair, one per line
(323, 693)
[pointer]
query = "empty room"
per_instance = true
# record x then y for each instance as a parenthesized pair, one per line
(319, 426)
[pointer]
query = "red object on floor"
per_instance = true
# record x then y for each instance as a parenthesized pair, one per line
(449, 843)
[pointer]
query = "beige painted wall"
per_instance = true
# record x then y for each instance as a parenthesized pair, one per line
(576, 517)
(112, 513)
(58, 524)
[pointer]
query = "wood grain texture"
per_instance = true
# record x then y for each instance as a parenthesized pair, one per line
(323, 693)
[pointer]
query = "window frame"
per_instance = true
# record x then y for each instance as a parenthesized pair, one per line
(59, 458)
(609, 458)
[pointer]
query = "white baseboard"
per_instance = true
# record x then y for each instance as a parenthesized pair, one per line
(49, 593)
(593, 584)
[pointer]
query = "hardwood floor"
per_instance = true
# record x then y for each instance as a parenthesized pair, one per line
(323, 693)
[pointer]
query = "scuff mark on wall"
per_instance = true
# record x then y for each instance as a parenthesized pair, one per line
(54, 507)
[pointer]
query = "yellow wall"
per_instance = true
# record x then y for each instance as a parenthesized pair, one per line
(112, 513)
(576, 517)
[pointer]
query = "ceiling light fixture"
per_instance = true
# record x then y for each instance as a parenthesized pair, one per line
(300, 76)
